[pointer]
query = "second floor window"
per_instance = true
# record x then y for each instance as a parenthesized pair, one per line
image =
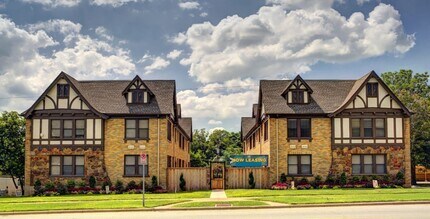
(266, 130)
(138, 96)
(169, 131)
(68, 128)
(63, 90)
(297, 96)
(137, 129)
(367, 128)
(299, 128)
(372, 89)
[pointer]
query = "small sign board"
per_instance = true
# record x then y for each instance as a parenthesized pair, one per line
(143, 159)
(249, 160)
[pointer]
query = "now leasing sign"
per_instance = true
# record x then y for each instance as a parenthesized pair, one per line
(248, 160)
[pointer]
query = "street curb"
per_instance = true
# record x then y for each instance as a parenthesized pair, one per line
(218, 208)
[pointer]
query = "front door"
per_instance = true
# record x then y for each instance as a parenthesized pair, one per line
(217, 175)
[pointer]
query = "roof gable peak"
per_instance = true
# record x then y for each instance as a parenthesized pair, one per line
(137, 83)
(295, 83)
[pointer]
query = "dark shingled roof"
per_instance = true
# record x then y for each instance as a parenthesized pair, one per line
(327, 96)
(106, 97)
(247, 124)
(186, 124)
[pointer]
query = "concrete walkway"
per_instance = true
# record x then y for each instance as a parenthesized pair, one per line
(218, 194)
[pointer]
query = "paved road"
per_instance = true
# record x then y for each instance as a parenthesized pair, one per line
(383, 211)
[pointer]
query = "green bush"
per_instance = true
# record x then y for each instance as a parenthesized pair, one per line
(251, 180)
(81, 184)
(330, 180)
(283, 178)
(154, 182)
(131, 185)
(71, 184)
(182, 182)
(92, 182)
(50, 186)
(119, 186)
(355, 180)
(62, 189)
(106, 183)
(38, 190)
(364, 178)
(343, 179)
(303, 181)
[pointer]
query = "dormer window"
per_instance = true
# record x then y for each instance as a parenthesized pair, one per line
(138, 96)
(297, 91)
(137, 92)
(63, 90)
(298, 96)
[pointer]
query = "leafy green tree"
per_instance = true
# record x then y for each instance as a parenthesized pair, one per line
(205, 145)
(414, 91)
(12, 137)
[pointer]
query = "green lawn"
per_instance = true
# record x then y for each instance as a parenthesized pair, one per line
(212, 204)
(333, 195)
(75, 202)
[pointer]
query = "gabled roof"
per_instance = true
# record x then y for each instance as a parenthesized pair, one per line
(105, 97)
(359, 85)
(187, 126)
(247, 124)
(140, 83)
(295, 81)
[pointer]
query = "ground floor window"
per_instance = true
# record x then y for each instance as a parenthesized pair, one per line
(67, 165)
(299, 165)
(133, 165)
(369, 164)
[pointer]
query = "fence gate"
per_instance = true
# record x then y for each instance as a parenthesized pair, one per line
(217, 175)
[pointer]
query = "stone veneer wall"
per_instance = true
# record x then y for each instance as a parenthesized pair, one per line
(319, 147)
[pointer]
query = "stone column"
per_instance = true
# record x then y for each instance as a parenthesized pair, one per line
(407, 141)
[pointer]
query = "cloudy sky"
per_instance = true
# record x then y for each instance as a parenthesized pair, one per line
(215, 50)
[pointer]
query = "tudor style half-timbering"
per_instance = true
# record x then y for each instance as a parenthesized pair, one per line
(77, 129)
(321, 127)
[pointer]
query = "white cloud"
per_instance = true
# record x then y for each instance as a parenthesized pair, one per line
(25, 72)
(361, 2)
(174, 54)
(214, 122)
(71, 3)
(103, 33)
(216, 128)
(55, 3)
(263, 45)
(302, 4)
(204, 14)
(64, 27)
(157, 63)
(189, 5)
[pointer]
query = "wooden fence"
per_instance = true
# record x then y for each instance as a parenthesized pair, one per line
(196, 178)
(238, 178)
(422, 174)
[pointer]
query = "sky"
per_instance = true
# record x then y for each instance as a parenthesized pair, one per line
(217, 51)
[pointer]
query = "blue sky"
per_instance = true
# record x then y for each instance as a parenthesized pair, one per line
(215, 50)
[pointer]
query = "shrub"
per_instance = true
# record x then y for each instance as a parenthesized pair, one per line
(400, 178)
(343, 179)
(131, 185)
(303, 181)
(62, 189)
(182, 182)
(71, 184)
(251, 180)
(330, 180)
(81, 184)
(364, 179)
(154, 182)
(106, 183)
(119, 186)
(318, 180)
(38, 190)
(355, 180)
(49, 186)
(386, 179)
(283, 178)
(92, 182)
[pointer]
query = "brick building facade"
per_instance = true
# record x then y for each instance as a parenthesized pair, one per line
(78, 129)
(322, 127)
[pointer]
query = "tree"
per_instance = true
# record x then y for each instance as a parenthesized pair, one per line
(414, 91)
(12, 137)
(204, 146)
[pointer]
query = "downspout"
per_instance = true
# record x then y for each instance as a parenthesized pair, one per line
(277, 150)
(158, 149)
